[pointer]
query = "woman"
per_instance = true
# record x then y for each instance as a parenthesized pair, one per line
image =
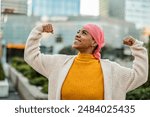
(86, 76)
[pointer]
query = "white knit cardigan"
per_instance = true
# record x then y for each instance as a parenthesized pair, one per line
(118, 80)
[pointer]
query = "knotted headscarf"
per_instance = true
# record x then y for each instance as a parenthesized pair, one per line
(98, 35)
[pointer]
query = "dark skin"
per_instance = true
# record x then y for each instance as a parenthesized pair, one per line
(129, 41)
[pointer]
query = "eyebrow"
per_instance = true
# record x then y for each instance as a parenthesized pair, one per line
(84, 31)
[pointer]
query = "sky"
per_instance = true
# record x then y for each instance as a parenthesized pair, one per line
(89, 7)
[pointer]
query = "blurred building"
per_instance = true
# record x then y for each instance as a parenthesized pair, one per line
(14, 6)
(17, 29)
(104, 8)
(138, 11)
(55, 7)
(117, 9)
(112, 8)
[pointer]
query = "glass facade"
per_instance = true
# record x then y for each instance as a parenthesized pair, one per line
(55, 7)
(138, 11)
(103, 7)
(14, 6)
(116, 8)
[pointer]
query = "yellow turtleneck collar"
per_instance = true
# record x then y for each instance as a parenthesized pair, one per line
(85, 57)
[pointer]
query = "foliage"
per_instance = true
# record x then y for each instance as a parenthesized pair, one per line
(45, 87)
(139, 94)
(18, 61)
(39, 81)
(2, 74)
(34, 77)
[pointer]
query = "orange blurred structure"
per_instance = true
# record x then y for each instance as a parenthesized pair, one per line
(16, 46)
(146, 31)
(14, 50)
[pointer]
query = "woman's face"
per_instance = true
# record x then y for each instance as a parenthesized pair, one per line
(83, 41)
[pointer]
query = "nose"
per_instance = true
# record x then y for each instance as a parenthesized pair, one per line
(78, 35)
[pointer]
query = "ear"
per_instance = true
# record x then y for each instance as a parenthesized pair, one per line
(94, 44)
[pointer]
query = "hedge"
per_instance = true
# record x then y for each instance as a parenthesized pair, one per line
(34, 77)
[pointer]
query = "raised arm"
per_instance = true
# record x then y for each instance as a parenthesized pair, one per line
(42, 63)
(138, 74)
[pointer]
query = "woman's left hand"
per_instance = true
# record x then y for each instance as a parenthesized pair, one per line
(129, 41)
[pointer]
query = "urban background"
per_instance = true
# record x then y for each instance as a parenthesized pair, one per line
(118, 19)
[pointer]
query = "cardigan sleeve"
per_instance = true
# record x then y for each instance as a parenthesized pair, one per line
(44, 64)
(131, 78)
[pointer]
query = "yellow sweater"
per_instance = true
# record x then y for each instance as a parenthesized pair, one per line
(84, 80)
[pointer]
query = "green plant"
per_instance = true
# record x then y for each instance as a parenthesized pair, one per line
(45, 88)
(34, 77)
(18, 60)
(23, 68)
(39, 81)
(139, 94)
(20, 65)
(2, 74)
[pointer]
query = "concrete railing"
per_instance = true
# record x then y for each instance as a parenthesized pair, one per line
(4, 88)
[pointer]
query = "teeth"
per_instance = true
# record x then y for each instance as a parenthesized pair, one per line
(78, 40)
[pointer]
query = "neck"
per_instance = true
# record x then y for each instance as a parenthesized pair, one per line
(87, 51)
(85, 57)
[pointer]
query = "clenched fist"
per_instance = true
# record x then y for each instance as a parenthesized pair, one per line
(47, 28)
(129, 41)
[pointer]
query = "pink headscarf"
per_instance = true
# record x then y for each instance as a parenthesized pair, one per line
(98, 36)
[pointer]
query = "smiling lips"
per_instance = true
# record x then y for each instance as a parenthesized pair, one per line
(77, 40)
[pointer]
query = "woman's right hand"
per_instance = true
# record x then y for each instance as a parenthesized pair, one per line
(48, 28)
(129, 41)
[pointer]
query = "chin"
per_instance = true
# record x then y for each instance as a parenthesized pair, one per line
(74, 46)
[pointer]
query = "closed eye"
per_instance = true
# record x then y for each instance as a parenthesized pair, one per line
(84, 32)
